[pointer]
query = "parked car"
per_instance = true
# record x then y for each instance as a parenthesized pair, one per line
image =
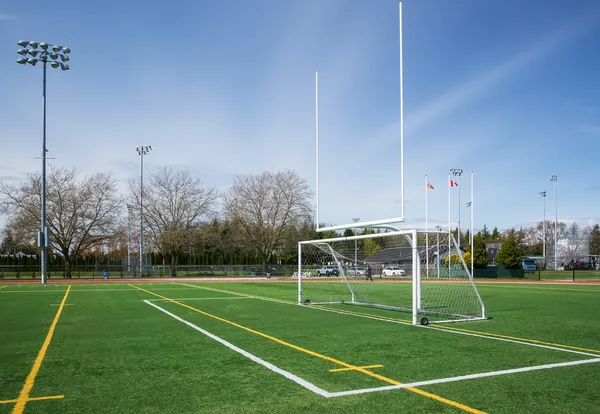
(392, 271)
(260, 271)
(356, 271)
(328, 271)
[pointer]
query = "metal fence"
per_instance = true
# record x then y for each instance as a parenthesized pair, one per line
(124, 271)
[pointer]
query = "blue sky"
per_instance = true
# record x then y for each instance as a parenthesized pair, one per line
(508, 89)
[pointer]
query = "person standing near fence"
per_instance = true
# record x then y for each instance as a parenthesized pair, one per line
(369, 273)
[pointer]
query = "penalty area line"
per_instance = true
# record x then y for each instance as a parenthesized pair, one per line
(302, 382)
(466, 377)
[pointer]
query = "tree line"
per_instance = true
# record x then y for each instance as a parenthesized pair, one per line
(258, 220)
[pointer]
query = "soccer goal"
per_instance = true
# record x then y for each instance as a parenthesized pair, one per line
(421, 272)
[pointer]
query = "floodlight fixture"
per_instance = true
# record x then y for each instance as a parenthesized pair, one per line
(66, 50)
(45, 56)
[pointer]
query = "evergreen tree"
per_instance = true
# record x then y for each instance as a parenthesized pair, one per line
(485, 233)
(595, 240)
(480, 259)
(495, 233)
(510, 254)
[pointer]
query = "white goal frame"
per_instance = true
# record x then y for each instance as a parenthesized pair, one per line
(411, 236)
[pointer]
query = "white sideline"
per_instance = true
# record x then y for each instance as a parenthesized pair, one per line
(572, 351)
(465, 377)
(248, 355)
(186, 299)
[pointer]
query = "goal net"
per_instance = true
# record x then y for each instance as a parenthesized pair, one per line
(421, 272)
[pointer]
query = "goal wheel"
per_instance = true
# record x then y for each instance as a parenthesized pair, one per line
(424, 321)
(307, 302)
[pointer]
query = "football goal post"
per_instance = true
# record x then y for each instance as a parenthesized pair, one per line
(421, 272)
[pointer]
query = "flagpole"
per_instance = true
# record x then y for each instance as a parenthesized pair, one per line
(426, 224)
(449, 226)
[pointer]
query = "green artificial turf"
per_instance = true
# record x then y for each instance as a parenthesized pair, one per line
(113, 352)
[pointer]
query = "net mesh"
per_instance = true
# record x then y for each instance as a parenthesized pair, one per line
(379, 270)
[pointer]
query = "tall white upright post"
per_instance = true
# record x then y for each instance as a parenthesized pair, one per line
(299, 273)
(426, 225)
(415, 279)
(554, 179)
(317, 142)
(401, 114)
(472, 224)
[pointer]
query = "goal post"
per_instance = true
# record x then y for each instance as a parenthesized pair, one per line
(420, 272)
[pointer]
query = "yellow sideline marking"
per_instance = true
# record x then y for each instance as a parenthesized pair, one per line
(431, 324)
(515, 338)
(4, 286)
(355, 368)
(330, 359)
(58, 304)
(50, 397)
(24, 395)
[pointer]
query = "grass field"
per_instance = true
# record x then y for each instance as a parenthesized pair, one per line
(242, 347)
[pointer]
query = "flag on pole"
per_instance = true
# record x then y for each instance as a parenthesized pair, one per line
(430, 186)
(453, 183)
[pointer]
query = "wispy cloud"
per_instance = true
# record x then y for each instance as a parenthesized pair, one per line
(469, 91)
(590, 129)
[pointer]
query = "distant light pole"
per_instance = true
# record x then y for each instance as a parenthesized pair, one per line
(554, 179)
(142, 150)
(129, 212)
(543, 194)
(356, 220)
(47, 54)
(457, 172)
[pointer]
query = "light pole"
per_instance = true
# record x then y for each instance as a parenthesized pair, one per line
(356, 220)
(47, 54)
(543, 194)
(129, 211)
(457, 172)
(554, 179)
(142, 150)
(470, 206)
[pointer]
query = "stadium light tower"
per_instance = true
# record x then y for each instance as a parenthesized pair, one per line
(457, 172)
(356, 220)
(554, 179)
(142, 150)
(129, 212)
(543, 194)
(56, 56)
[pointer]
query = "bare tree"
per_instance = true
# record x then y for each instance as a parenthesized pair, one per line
(576, 242)
(81, 215)
(267, 206)
(174, 205)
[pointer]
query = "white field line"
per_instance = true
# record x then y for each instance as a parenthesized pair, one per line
(572, 351)
(288, 375)
(186, 299)
(465, 377)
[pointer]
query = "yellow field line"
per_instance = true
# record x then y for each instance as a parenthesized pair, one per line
(50, 397)
(355, 368)
(431, 324)
(27, 387)
(4, 286)
(516, 338)
(58, 304)
(315, 354)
